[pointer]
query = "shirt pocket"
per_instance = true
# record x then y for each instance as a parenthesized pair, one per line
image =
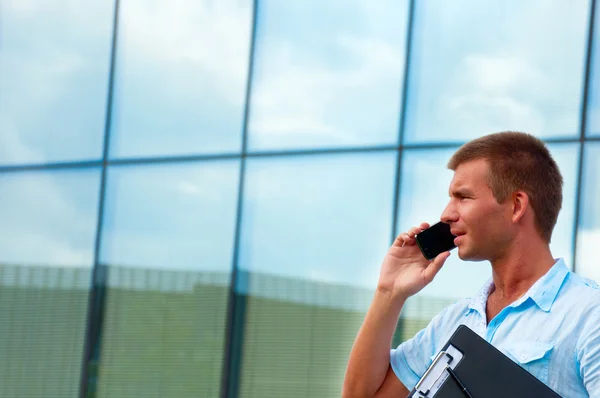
(533, 356)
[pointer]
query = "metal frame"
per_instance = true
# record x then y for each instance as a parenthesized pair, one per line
(236, 305)
(255, 154)
(583, 126)
(97, 293)
(236, 302)
(402, 122)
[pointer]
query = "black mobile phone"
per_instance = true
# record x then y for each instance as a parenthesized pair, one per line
(435, 240)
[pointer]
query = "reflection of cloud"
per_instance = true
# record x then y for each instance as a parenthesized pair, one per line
(496, 73)
(181, 77)
(300, 99)
(208, 37)
(485, 74)
(588, 242)
(206, 183)
(489, 97)
(40, 247)
(12, 147)
(48, 218)
(53, 75)
(171, 217)
(330, 91)
(325, 217)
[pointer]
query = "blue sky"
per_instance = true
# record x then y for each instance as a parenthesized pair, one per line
(327, 74)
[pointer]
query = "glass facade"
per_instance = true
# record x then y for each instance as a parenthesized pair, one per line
(196, 196)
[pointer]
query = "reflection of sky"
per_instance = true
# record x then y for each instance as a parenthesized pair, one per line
(171, 217)
(588, 239)
(180, 77)
(327, 73)
(180, 80)
(594, 90)
(424, 195)
(54, 59)
(483, 66)
(49, 218)
(318, 217)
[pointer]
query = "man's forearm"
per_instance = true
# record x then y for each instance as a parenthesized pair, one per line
(370, 356)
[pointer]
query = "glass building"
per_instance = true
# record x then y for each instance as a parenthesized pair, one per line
(196, 196)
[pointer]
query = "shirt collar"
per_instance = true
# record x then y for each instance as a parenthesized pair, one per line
(479, 301)
(543, 292)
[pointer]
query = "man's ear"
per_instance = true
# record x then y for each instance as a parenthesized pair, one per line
(520, 204)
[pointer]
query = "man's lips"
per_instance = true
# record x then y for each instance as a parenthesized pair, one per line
(458, 235)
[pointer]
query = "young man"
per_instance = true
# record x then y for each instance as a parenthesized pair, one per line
(504, 201)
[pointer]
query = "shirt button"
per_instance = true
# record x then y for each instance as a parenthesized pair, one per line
(523, 357)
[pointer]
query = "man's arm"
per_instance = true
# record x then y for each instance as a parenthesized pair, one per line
(369, 373)
(404, 272)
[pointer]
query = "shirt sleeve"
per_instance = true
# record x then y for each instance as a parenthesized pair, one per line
(411, 359)
(589, 354)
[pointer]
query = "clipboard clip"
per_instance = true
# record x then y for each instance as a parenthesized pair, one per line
(423, 387)
(437, 372)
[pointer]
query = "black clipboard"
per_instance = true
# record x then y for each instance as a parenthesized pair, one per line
(469, 366)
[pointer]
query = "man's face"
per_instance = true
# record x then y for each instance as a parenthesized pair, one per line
(483, 225)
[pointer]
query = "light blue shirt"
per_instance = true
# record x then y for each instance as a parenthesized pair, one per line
(553, 331)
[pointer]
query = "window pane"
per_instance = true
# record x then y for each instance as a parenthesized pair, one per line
(168, 243)
(54, 59)
(484, 66)
(315, 230)
(327, 73)
(588, 234)
(424, 195)
(567, 157)
(181, 77)
(47, 237)
(593, 115)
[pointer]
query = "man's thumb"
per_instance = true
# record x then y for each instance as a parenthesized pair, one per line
(436, 265)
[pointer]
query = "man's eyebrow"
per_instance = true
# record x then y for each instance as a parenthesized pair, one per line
(460, 192)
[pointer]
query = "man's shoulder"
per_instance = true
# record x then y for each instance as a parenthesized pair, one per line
(583, 289)
(458, 308)
(581, 299)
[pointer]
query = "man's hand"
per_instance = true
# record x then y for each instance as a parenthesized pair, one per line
(405, 271)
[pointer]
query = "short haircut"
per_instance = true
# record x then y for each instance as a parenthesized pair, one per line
(519, 161)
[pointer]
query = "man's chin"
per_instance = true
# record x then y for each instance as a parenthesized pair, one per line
(468, 255)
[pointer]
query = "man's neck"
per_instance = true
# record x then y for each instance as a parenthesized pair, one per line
(515, 273)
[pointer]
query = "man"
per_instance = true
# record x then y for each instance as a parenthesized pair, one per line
(504, 201)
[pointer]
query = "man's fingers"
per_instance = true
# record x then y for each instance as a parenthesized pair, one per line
(402, 239)
(408, 238)
(414, 230)
(436, 265)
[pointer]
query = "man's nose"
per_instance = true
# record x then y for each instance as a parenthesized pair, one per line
(449, 214)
